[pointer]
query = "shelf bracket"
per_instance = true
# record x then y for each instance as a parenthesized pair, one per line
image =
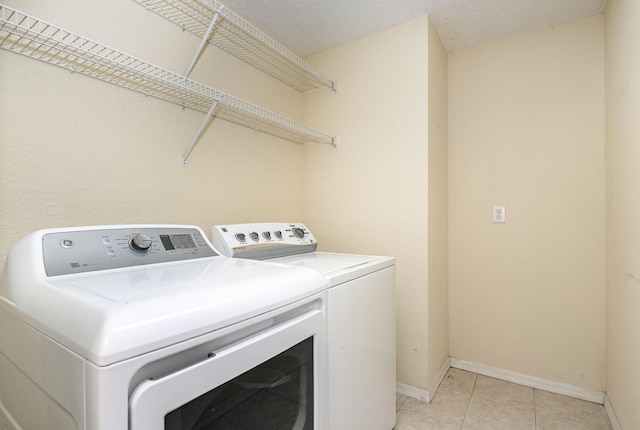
(199, 133)
(203, 43)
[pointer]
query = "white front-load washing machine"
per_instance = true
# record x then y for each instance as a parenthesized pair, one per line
(145, 327)
(361, 317)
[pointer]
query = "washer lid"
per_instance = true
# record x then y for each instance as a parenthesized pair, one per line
(338, 268)
(111, 315)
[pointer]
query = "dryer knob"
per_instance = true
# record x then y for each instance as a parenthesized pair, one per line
(140, 242)
(298, 232)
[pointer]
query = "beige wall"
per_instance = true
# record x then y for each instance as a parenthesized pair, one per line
(370, 194)
(623, 209)
(78, 151)
(526, 130)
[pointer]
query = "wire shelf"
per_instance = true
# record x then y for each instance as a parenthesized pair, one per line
(34, 38)
(240, 38)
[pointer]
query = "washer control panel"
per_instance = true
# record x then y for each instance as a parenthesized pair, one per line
(260, 241)
(87, 250)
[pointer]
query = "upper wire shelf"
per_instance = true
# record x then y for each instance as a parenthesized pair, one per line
(32, 37)
(240, 38)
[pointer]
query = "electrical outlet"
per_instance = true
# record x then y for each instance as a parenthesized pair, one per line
(499, 214)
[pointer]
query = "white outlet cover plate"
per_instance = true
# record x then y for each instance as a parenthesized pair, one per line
(499, 214)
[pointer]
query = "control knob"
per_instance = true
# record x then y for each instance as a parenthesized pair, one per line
(140, 242)
(298, 232)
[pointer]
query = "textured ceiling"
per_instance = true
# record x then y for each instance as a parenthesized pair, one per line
(308, 26)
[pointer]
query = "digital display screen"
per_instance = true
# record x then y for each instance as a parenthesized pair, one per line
(177, 241)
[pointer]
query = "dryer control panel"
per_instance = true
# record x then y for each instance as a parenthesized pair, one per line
(99, 248)
(260, 241)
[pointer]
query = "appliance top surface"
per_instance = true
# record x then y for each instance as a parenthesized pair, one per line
(110, 314)
(336, 267)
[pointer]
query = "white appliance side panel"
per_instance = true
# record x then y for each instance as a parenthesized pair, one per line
(42, 382)
(362, 353)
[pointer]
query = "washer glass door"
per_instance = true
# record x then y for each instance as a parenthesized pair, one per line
(267, 381)
(277, 394)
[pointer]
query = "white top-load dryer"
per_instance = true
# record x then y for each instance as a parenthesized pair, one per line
(361, 317)
(145, 327)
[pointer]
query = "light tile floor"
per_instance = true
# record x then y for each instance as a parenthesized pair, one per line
(467, 401)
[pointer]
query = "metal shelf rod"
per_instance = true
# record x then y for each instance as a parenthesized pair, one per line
(202, 45)
(206, 120)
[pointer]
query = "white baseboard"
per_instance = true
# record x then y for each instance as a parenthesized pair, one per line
(613, 419)
(413, 392)
(421, 394)
(530, 381)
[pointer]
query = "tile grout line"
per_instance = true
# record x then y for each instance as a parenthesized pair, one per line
(401, 404)
(466, 411)
(535, 411)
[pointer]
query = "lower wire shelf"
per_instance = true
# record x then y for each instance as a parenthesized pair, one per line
(34, 38)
